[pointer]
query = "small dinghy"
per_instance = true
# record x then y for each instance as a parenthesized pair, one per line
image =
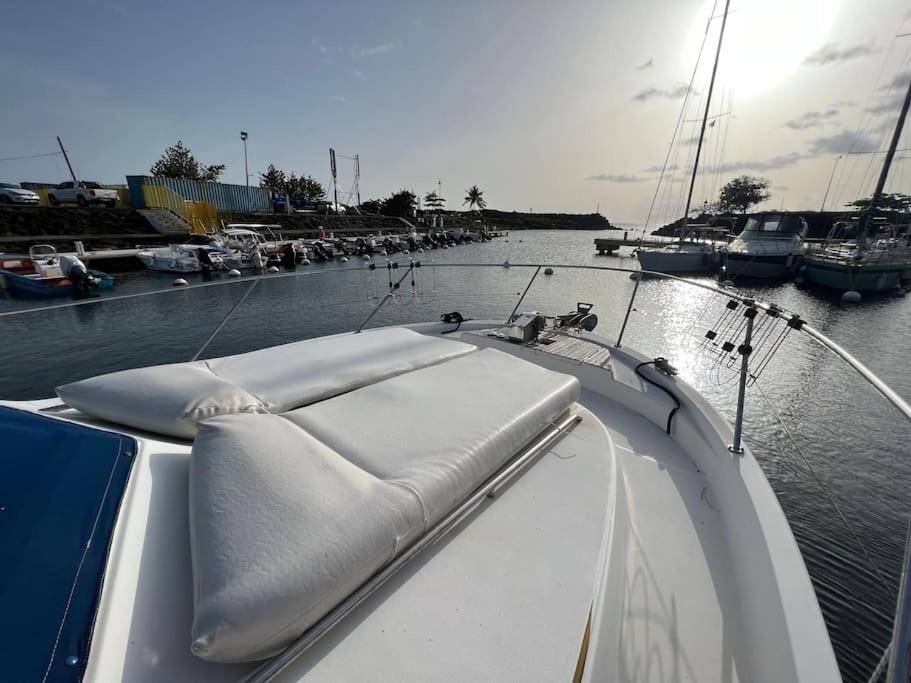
(42, 273)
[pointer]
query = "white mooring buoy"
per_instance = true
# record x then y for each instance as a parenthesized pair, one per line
(305, 262)
(421, 250)
(180, 282)
(344, 259)
(548, 271)
(383, 253)
(273, 269)
(404, 251)
(366, 257)
(851, 297)
(234, 273)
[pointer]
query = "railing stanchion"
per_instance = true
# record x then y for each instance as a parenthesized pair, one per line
(629, 308)
(899, 666)
(745, 351)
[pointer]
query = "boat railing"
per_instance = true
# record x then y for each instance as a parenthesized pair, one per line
(402, 279)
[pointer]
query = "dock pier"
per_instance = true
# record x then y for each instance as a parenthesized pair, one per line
(608, 245)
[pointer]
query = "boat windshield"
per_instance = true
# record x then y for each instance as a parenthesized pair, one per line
(778, 224)
(61, 486)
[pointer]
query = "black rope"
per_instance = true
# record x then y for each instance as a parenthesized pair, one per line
(670, 415)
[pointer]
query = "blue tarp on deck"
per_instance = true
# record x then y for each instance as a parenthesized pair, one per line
(60, 490)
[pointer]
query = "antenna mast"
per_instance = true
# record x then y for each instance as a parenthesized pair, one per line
(705, 116)
(884, 173)
(70, 166)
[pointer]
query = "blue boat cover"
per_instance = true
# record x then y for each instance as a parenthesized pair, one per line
(60, 490)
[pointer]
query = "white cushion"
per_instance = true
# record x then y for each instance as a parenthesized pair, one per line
(171, 399)
(282, 529)
(297, 374)
(165, 399)
(285, 524)
(443, 430)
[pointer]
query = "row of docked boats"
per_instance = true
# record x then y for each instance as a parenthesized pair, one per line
(770, 246)
(244, 246)
(774, 246)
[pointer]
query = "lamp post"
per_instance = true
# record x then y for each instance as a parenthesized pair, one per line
(829, 185)
(243, 136)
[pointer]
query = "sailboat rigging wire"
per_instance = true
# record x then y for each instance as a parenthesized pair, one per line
(825, 490)
(677, 126)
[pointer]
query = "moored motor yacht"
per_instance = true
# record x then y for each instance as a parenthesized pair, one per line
(770, 246)
(183, 258)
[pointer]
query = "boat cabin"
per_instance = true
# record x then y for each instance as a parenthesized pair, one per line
(774, 226)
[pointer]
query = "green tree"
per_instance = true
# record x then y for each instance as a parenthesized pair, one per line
(743, 192)
(402, 204)
(887, 202)
(474, 197)
(433, 201)
(305, 188)
(273, 179)
(372, 206)
(178, 162)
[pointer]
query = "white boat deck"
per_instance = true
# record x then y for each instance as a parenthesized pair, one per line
(688, 570)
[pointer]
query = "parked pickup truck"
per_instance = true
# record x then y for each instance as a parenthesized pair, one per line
(82, 193)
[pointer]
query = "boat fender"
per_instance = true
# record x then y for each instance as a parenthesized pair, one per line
(234, 273)
(305, 262)
(851, 297)
(180, 282)
(273, 269)
(344, 259)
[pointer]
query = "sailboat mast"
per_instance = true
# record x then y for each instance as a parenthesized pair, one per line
(884, 173)
(705, 116)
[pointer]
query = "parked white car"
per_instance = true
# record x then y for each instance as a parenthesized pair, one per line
(83, 193)
(13, 194)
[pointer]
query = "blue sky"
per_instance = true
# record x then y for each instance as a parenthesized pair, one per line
(549, 106)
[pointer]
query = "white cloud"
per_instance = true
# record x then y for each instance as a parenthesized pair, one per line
(674, 93)
(831, 53)
(376, 49)
(619, 178)
(813, 119)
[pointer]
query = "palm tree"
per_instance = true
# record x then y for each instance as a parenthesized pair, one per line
(474, 197)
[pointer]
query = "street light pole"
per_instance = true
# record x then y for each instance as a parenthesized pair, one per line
(829, 185)
(243, 136)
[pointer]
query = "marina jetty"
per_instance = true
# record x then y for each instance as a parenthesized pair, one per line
(520, 220)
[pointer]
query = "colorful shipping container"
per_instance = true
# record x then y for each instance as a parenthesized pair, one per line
(225, 198)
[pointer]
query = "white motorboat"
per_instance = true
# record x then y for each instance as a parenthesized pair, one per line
(771, 246)
(183, 258)
(695, 250)
(520, 501)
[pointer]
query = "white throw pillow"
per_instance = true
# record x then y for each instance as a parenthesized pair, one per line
(282, 529)
(165, 399)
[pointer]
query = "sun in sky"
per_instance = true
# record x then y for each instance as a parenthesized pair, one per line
(765, 41)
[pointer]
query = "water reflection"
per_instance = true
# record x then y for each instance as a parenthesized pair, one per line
(851, 438)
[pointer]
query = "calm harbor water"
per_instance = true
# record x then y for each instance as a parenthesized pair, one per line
(806, 407)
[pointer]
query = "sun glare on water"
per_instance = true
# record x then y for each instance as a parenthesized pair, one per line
(765, 41)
